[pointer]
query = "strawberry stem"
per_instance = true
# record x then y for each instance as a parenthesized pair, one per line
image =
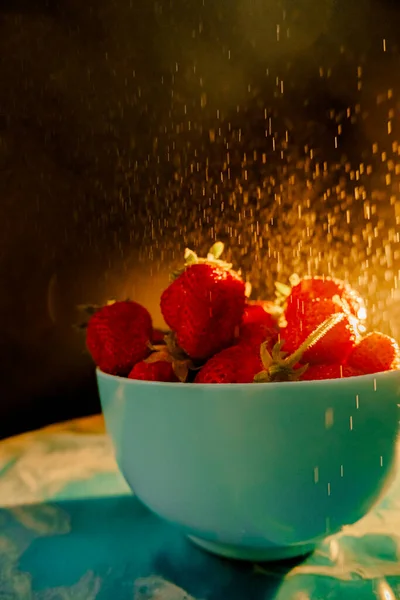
(88, 311)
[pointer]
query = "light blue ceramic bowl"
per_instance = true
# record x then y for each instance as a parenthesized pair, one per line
(258, 472)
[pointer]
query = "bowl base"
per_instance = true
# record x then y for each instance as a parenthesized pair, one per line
(253, 554)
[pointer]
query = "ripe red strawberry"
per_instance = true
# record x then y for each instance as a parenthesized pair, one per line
(256, 313)
(204, 307)
(375, 353)
(335, 346)
(161, 370)
(310, 289)
(257, 326)
(253, 334)
(315, 372)
(238, 364)
(118, 335)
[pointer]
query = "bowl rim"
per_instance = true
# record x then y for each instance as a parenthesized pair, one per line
(245, 386)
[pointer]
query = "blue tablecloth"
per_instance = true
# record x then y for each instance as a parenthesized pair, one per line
(70, 529)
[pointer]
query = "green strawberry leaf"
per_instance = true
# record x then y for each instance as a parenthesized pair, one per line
(297, 373)
(262, 377)
(277, 354)
(266, 357)
(282, 289)
(181, 370)
(216, 250)
(190, 257)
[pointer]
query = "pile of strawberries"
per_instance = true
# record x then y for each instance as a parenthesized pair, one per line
(313, 330)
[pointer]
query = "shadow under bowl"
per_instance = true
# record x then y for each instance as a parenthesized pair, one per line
(256, 471)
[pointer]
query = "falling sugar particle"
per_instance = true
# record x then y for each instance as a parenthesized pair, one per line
(327, 525)
(341, 470)
(329, 489)
(351, 423)
(316, 475)
(381, 461)
(384, 591)
(357, 402)
(328, 418)
(374, 385)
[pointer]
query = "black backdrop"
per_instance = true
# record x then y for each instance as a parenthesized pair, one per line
(108, 167)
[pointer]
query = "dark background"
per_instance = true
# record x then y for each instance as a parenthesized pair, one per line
(132, 128)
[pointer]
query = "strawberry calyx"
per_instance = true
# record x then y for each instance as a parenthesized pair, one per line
(172, 353)
(213, 258)
(88, 310)
(279, 366)
(283, 291)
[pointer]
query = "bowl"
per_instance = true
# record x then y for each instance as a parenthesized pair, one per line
(256, 471)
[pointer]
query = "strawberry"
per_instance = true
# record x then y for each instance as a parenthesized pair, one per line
(161, 370)
(335, 346)
(257, 326)
(311, 289)
(204, 305)
(278, 366)
(238, 364)
(315, 372)
(376, 352)
(118, 335)
(256, 313)
(253, 334)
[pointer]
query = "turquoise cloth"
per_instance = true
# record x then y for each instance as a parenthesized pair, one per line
(71, 529)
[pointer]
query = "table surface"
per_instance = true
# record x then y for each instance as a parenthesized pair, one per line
(71, 529)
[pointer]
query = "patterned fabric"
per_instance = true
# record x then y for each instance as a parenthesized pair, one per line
(71, 529)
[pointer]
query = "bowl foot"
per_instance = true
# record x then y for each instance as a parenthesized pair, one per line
(253, 554)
